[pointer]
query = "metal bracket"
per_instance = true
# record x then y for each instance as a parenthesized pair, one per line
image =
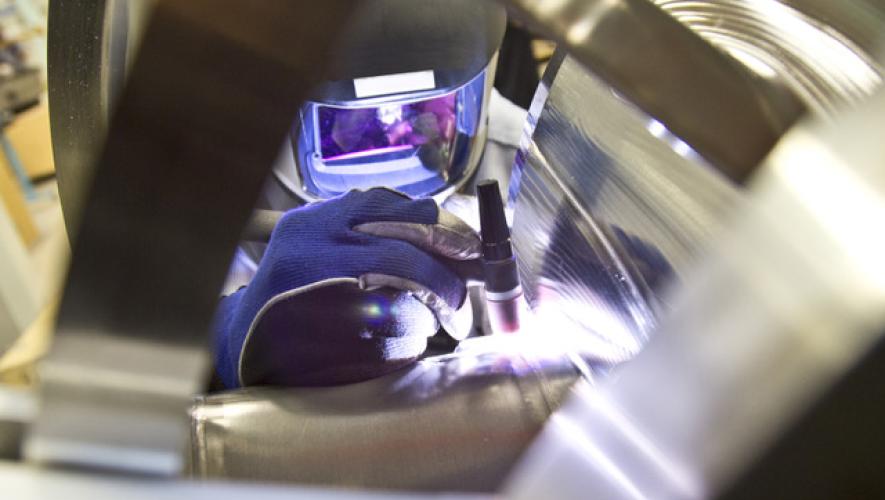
(208, 102)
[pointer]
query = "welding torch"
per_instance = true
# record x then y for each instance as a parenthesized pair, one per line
(502, 289)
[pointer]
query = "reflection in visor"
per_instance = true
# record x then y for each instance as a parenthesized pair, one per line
(420, 144)
(350, 133)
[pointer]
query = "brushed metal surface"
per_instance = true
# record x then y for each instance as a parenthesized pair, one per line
(784, 43)
(787, 302)
(451, 423)
(610, 210)
(727, 114)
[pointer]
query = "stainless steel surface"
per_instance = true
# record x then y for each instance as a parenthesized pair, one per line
(610, 209)
(628, 205)
(451, 423)
(787, 301)
(730, 116)
(115, 403)
(815, 61)
(206, 107)
(860, 21)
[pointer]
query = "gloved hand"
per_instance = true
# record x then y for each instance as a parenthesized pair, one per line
(348, 289)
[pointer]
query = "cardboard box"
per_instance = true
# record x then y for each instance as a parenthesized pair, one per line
(32, 140)
(13, 202)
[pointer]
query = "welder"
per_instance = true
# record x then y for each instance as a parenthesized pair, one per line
(365, 265)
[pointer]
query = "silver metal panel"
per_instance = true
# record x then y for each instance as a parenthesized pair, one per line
(787, 301)
(812, 59)
(860, 21)
(610, 209)
(729, 115)
(760, 321)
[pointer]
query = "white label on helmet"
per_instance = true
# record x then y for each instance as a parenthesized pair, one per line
(394, 84)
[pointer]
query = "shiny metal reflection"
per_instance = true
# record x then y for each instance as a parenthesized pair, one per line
(860, 21)
(819, 64)
(731, 116)
(788, 300)
(453, 423)
(610, 209)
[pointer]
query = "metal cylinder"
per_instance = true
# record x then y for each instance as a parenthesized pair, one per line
(451, 423)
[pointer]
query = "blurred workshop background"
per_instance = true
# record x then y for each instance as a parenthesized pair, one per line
(32, 237)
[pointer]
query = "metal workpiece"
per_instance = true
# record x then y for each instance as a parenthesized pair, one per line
(815, 61)
(449, 423)
(115, 403)
(206, 106)
(788, 300)
(729, 115)
(610, 210)
(624, 205)
(860, 21)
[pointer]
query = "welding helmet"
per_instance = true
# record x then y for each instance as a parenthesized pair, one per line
(404, 105)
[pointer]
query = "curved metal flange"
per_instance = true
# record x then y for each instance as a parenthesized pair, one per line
(728, 115)
(207, 105)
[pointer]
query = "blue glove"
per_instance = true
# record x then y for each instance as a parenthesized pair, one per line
(347, 290)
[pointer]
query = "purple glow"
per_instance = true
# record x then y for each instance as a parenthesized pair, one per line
(369, 152)
(357, 132)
